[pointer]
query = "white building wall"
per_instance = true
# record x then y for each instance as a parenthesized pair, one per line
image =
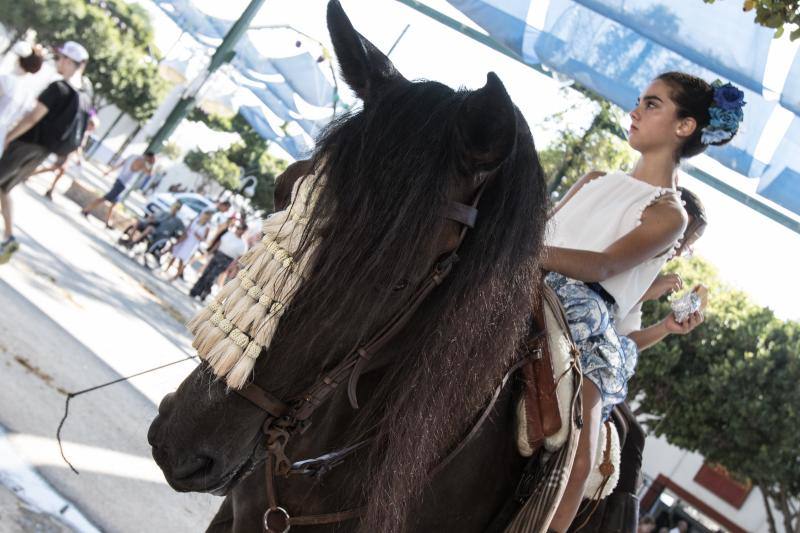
(681, 466)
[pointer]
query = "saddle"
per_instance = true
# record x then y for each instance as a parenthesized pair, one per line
(544, 402)
(543, 405)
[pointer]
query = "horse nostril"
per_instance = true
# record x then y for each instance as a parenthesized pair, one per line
(187, 468)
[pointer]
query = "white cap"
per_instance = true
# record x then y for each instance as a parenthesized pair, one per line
(74, 51)
(22, 49)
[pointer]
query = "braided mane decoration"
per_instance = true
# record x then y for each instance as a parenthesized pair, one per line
(239, 323)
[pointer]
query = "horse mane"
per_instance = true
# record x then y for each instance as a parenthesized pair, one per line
(382, 181)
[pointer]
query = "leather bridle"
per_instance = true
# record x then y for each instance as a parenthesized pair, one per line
(284, 420)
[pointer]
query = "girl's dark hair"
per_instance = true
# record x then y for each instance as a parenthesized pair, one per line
(694, 207)
(697, 215)
(693, 97)
(33, 62)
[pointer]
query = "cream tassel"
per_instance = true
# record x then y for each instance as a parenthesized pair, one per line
(228, 289)
(230, 351)
(270, 271)
(266, 329)
(215, 336)
(259, 263)
(273, 223)
(243, 369)
(254, 315)
(203, 332)
(201, 316)
(245, 284)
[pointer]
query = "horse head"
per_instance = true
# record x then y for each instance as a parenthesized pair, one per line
(382, 178)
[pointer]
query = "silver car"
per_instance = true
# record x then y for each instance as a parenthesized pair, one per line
(193, 204)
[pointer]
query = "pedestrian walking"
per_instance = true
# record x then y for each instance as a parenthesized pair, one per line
(229, 248)
(185, 248)
(56, 124)
(131, 168)
(15, 99)
(62, 162)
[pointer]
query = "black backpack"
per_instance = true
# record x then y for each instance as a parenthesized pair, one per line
(72, 137)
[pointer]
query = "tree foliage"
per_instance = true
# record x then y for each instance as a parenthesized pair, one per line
(577, 151)
(729, 389)
(775, 14)
(251, 155)
(118, 37)
(214, 166)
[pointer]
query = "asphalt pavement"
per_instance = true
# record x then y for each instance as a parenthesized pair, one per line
(76, 311)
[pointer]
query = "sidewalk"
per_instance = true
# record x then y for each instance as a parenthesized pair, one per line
(81, 313)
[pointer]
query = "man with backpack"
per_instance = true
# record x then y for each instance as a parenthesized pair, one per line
(56, 125)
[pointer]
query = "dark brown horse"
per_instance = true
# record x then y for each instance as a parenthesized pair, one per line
(384, 177)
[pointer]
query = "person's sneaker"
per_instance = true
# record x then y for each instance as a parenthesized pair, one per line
(7, 248)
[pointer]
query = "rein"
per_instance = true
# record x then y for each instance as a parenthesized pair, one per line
(287, 419)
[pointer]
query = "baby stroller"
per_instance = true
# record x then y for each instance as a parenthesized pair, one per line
(157, 248)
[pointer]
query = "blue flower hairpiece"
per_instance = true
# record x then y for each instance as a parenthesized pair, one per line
(726, 113)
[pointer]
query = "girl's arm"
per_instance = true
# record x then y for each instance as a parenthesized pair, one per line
(647, 337)
(662, 223)
(663, 284)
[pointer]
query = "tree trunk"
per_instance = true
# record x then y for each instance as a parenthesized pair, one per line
(770, 517)
(783, 505)
(125, 144)
(105, 134)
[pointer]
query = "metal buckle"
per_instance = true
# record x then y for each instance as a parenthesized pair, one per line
(284, 516)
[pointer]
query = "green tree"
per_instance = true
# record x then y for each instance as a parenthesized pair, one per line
(576, 152)
(251, 155)
(775, 14)
(214, 166)
(729, 389)
(118, 37)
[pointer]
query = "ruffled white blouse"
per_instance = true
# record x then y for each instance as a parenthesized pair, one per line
(601, 212)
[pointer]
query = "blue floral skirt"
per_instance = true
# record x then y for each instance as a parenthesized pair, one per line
(608, 359)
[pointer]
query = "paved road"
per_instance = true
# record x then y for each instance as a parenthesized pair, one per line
(76, 312)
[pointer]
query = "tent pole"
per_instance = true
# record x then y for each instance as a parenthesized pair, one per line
(224, 53)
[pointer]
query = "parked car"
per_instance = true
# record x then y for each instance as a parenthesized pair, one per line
(193, 204)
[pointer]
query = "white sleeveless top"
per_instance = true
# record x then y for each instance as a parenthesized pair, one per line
(601, 212)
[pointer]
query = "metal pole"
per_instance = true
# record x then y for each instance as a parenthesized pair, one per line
(224, 53)
(397, 41)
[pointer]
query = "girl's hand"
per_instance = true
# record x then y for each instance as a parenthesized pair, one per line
(702, 292)
(666, 284)
(674, 327)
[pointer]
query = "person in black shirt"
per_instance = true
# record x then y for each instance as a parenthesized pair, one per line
(38, 134)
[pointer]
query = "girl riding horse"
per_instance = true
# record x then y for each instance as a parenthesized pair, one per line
(611, 235)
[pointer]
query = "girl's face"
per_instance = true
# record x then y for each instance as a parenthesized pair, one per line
(654, 121)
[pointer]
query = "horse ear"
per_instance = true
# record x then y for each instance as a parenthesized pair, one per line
(487, 125)
(365, 68)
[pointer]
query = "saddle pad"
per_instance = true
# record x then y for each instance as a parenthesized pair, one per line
(608, 445)
(535, 423)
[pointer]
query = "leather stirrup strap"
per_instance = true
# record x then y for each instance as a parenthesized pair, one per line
(473, 432)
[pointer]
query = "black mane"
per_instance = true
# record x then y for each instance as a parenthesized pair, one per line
(383, 179)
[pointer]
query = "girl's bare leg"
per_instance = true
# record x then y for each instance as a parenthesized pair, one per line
(584, 458)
